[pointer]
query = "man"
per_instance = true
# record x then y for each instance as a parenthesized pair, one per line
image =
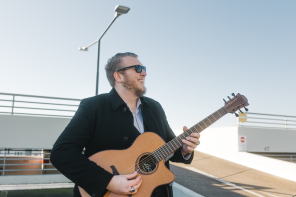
(114, 121)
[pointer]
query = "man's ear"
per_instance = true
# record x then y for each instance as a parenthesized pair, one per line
(118, 77)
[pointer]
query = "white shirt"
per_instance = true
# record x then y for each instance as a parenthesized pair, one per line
(138, 118)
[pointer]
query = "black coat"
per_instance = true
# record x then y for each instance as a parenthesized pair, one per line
(104, 122)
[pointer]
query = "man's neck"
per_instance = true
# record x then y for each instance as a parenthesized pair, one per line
(128, 97)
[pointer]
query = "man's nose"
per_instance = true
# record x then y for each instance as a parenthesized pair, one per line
(143, 73)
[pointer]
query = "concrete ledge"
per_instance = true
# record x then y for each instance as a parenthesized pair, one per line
(33, 179)
(179, 190)
(35, 186)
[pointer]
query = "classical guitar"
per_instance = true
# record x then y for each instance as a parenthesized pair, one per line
(148, 153)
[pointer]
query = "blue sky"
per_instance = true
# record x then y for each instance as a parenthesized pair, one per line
(196, 52)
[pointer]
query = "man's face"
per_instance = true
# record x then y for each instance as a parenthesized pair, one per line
(132, 80)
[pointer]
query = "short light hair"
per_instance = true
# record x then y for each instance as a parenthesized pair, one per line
(115, 63)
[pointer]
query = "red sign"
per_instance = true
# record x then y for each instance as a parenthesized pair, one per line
(242, 139)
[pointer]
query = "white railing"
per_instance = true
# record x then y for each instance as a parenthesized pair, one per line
(269, 121)
(20, 104)
(25, 162)
(290, 157)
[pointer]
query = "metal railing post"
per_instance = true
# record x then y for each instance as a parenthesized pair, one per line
(4, 161)
(286, 126)
(12, 104)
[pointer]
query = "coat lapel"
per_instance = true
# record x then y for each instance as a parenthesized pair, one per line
(150, 120)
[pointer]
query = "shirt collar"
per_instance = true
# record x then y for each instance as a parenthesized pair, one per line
(138, 102)
(116, 100)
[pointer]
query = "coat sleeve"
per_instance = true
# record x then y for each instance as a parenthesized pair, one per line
(177, 157)
(67, 155)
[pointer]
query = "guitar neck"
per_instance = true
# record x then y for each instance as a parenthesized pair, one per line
(176, 143)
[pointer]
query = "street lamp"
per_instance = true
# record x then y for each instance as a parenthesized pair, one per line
(119, 9)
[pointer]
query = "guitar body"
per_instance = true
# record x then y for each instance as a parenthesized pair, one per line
(135, 158)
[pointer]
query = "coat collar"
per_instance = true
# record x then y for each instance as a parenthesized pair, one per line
(116, 100)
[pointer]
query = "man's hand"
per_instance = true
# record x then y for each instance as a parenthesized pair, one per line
(190, 143)
(122, 184)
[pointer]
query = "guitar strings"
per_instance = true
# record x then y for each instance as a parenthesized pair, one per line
(169, 144)
(157, 154)
(147, 160)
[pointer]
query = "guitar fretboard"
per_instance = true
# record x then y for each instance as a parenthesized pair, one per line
(176, 143)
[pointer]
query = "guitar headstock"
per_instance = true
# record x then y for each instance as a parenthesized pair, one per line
(236, 103)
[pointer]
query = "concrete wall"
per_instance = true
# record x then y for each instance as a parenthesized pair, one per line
(269, 140)
(29, 131)
(223, 142)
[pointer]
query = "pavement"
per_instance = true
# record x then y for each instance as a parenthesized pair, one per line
(211, 177)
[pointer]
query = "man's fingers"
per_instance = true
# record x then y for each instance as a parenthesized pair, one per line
(135, 181)
(193, 140)
(190, 144)
(136, 187)
(185, 128)
(196, 135)
(131, 176)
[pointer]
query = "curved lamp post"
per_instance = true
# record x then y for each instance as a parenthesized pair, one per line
(119, 9)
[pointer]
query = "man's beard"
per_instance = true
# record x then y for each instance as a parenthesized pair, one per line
(132, 87)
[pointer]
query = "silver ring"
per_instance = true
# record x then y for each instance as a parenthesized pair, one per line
(198, 143)
(132, 189)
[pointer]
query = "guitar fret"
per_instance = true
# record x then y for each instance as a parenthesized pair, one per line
(204, 122)
(195, 129)
(203, 127)
(166, 150)
(216, 115)
(156, 156)
(180, 141)
(162, 153)
(169, 148)
(209, 121)
(172, 146)
(224, 110)
(213, 118)
(199, 127)
(219, 113)
(175, 143)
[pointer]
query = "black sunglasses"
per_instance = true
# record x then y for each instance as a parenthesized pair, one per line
(139, 68)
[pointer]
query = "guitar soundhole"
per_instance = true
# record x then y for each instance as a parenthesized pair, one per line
(147, 164)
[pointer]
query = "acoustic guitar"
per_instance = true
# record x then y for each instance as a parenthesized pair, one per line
(148, 153)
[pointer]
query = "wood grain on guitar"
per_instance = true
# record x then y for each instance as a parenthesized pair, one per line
(147, 154)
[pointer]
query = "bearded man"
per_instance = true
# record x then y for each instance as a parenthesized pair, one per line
(113, 121)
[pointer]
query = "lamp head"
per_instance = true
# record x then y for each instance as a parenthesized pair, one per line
(119, 9)
(83, 49)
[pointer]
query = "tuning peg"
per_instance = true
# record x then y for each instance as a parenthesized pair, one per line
(232, 94)
(236, 114)
(241, 111)
(225, 101)
(246, 109)
(229, 98)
